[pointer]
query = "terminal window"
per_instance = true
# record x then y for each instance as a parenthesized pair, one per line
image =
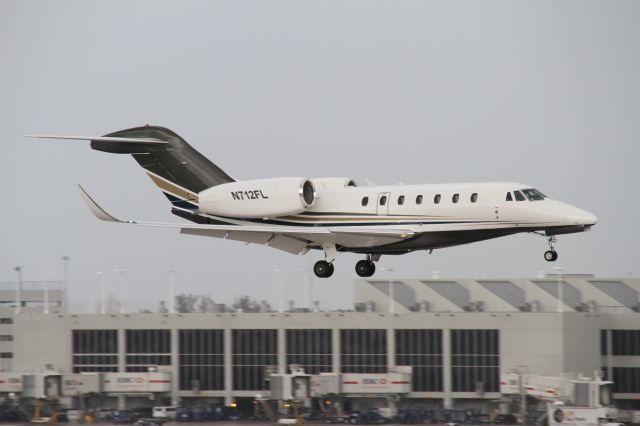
(201, 360)
(626, 379)
(475, 360)
(310, 348)
(625, 342)
(363, 351)
(94, 351)
(254, 352)
(422, 350)
(147, 348)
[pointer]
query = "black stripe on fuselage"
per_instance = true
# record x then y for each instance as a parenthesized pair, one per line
(177, 202)
(355, 214)
(328, 222)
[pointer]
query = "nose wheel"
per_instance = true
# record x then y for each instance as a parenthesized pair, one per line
(551, 255)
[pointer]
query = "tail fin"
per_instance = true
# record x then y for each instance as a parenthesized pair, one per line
(176, 168)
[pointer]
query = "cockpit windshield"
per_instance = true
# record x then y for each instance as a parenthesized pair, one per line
(533, 194)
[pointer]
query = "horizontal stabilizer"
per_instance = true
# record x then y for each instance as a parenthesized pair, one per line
(152, 141)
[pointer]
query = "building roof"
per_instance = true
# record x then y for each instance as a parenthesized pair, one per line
(549, 293)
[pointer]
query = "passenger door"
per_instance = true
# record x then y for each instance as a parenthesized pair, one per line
(382, 207)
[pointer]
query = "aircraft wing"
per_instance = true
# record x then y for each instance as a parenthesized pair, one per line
(292, 239)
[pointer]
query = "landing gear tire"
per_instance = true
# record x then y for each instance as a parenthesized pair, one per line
(365, 268)
(323, 269)
(330, 272)
(550, 255)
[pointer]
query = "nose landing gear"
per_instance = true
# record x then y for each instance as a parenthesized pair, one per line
(551, 255)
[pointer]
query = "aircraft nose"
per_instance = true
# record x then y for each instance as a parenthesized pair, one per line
(583, 217)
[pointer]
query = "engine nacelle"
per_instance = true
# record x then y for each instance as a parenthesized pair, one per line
(333, 183)
(260, 198)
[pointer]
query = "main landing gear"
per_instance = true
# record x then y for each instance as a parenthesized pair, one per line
(324, 268)
(551, 255)
(367, 267)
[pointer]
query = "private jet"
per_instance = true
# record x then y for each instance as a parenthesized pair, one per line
(332, 215)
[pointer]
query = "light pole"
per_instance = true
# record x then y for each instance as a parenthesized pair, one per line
(18, 290)
(65, 279)
(172, 283)
(558, 270)
(390, 290)
(523, 394)
(280, 282)
(103, 292)
(122, 273)
(45, 309)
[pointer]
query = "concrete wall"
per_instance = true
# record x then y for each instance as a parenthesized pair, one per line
(582, 342)
(40, 340)
(532, 342)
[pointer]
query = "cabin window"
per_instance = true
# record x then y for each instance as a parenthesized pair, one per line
(474, 197)
(401, 200)
(383, 200)
(455, 198)
(436, 199)
(365, 201)
(519, 196)
(419, 199)
(509, 197)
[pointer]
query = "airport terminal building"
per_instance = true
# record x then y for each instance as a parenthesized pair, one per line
(459, 336)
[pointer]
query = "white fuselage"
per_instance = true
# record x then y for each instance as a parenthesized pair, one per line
(490, 208)
(480, 208)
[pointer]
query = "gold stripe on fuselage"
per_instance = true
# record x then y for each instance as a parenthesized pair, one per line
(172, 188)
(324, 219)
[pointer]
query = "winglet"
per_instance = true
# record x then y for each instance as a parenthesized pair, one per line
(97, 211)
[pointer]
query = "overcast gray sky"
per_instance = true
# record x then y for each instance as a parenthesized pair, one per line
(546, 93)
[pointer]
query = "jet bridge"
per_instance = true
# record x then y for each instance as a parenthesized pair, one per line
(577, 390)
(379, 389)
